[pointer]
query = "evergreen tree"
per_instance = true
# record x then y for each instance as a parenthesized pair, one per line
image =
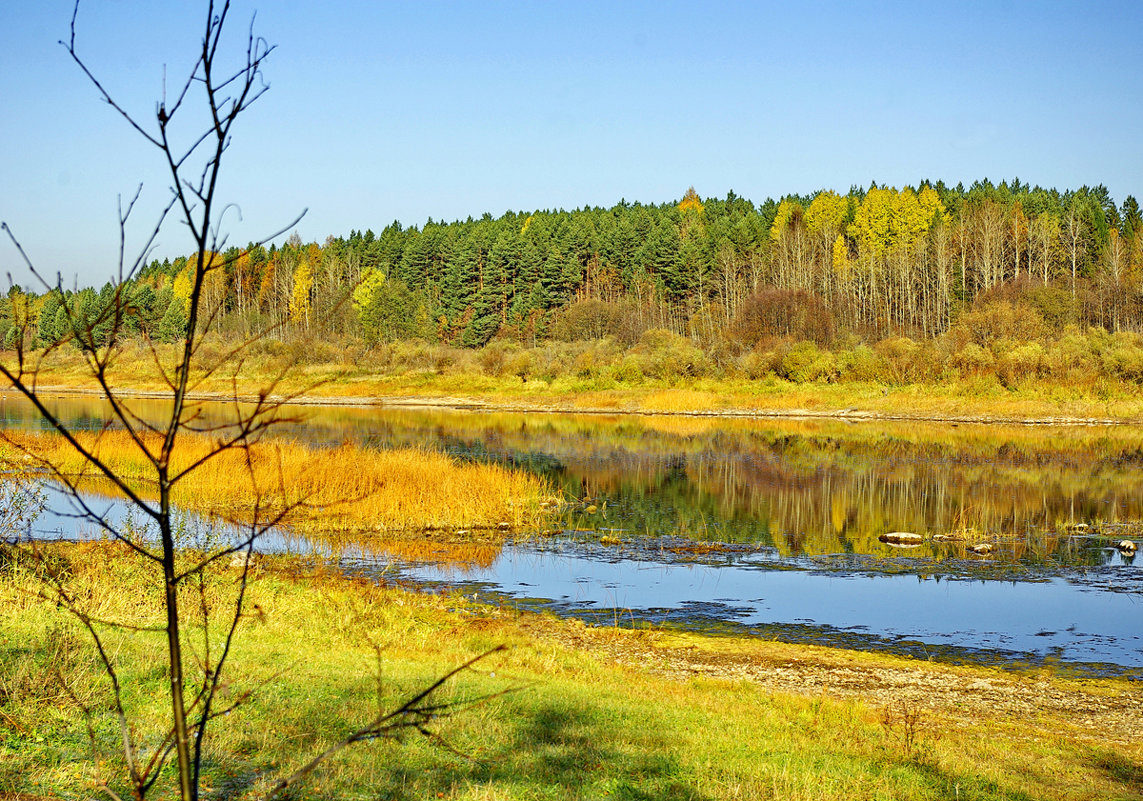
(46, 327)
(173, 326)
(460, 282)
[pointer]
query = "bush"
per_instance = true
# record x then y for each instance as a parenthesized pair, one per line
(598, 319)
(415, 354)
(627, 371)
(860, 364)
(520, 364)
(998, 324)
(804, 362)
(1022, 362)
(493, 358)
(666, 355)
(1073, 357)
(760, 363)
(904, 361)
(1052, 302)
(972, 359)
(1123, 358)
(783, 313)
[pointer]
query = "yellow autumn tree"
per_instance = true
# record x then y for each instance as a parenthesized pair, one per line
(790, 247)
(301, 297)
(691, 203)
(840, 256)
(183, 284)
(891, 230)
(824, 220)
(826, 212)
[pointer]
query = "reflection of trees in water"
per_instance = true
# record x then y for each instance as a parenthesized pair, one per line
(834, 509)
(835, 500)
(805, 486)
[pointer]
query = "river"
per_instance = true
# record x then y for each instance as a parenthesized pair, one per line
(772, 528)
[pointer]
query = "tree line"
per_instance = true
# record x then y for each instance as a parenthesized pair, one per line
(877, 262)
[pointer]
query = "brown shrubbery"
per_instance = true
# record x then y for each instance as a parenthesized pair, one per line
(998, 323)
(598, 319)
(771, 314)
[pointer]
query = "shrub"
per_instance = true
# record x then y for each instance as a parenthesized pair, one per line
(804, 362)
(860, 364)
(415, 354)
(1022, 362)
(998, 322)
(520, 364)
(1073, 356)
(1123, 358)
(598, 319)
(760, 363)
(491, 360)
(783, 313)
(1054, 303)
(628, 371)
(972, 359)
(903, 360)
(666, 355)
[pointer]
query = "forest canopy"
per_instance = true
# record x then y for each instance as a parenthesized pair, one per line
(871, 264)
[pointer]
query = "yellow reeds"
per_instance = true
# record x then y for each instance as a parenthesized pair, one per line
(680, 401)
(347, 488)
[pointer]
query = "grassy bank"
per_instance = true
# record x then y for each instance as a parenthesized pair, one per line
(591, 713)
(346, 488)
(1079, 377)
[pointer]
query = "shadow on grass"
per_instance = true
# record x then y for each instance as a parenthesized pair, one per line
(556, 751)
(966, 786)
(1120, 769)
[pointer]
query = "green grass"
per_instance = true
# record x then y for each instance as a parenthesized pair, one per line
(574, 724)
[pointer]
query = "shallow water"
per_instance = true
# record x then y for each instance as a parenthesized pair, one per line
(771, 527)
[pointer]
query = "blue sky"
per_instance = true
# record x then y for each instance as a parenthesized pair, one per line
(381, 111)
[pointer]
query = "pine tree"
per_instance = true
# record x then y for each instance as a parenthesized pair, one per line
(173, 326)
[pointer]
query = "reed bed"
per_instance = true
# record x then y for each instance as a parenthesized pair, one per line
(346, 488)
(680, 400)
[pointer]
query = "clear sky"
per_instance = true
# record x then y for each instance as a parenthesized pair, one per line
(381, 111)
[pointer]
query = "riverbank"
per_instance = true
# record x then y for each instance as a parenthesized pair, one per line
(777, 399)
(729, 718)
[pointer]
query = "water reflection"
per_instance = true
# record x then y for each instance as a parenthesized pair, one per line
(803, 487)
(772, 526)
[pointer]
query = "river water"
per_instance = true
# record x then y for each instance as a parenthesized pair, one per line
(771, 527)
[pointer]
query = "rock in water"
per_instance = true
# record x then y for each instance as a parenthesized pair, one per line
(901, 538)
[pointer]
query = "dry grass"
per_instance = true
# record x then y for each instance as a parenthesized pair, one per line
(680, 400)
(347, 488)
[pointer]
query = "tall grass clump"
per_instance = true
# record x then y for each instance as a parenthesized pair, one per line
(347, 488)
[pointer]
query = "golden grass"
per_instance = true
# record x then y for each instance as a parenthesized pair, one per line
(680, 400)
(347, 488)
